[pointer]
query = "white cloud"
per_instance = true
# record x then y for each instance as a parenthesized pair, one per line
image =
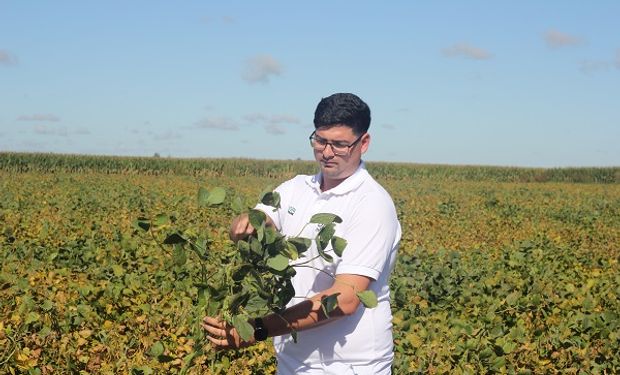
(275, 129)
(51, 130)
(271, 119)
(261, 68)
(6, 58)
(557, 39)
(590, 66)
(255, 117)
(39, 117)
(466, 50)
(220, 123)
(166, 136)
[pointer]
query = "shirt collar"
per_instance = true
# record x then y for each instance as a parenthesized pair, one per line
(349, 184)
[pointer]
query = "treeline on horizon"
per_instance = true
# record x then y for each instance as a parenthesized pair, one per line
(66, 163)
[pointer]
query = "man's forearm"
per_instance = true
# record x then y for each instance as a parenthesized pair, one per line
(304, 315)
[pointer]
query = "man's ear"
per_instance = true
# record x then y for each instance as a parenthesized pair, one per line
(365, 142)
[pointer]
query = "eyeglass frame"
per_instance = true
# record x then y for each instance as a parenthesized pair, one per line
(313, 137)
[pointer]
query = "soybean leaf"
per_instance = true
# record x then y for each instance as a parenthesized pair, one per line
(325, 218)
(143, 370)
(47, 305)
(161, 219)
(271, 198)
(216, 196)
(260, 232)
(179, 256)
(238, 300)
(142, 223)
(322, 240)
(338, 244)
(243, 327)
(368, 298)
(278, 262)
(329, 303)
(325, 256)
(256, 217)
(255, 304)
(174, 238)
(256, 246)
(291, 251)
(302, 244)
(203, 196)
(237, 205)
(157, 349)
(239, 273)
(270, 235)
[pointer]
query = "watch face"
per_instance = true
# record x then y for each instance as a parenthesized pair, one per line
(260, 334)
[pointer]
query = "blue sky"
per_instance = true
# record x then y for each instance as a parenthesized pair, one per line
(519, 83)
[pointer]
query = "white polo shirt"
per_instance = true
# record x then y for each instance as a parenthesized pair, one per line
(361, 342)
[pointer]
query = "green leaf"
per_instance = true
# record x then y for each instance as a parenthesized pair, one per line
(271, 198)
(179, 256)
(47, 305)
(142, 223)
(157, 349)
(325, 218)
(322, 240)
(31, 317)
(291, 251)
(241, 271)
(256, 246)
(338, 244)
(216, 196)
(329, 303)
(142, 370)
(260, 232)
(325, 235)
(203, 196)
(368, 298)
(237, 205)
(270, 235)
(255, 304)
(326, 256)
(256, 217)
(174, 238)
(243, 327)
(302, 244)
(278, 262)
(161, 219)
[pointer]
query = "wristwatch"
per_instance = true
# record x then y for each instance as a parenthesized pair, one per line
(260, 331)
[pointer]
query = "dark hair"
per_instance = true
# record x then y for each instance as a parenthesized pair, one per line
(343, 109)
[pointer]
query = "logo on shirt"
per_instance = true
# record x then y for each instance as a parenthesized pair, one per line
(291, 210)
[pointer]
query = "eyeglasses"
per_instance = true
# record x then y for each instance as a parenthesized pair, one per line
(338, 148)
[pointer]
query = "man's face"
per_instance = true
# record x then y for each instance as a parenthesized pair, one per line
(339, 167)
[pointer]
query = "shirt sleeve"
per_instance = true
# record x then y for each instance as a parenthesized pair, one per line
(372, 234)
(275, 214)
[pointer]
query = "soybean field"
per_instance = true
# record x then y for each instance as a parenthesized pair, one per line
(500, 270)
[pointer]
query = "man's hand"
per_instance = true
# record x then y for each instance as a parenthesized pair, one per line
(223, 336)
(241, 228)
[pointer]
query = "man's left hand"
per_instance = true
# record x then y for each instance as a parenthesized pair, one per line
(222, 335)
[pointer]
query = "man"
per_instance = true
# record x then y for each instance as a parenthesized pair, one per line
(352, 339)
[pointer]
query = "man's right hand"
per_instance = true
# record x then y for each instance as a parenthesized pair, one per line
(240, 228)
